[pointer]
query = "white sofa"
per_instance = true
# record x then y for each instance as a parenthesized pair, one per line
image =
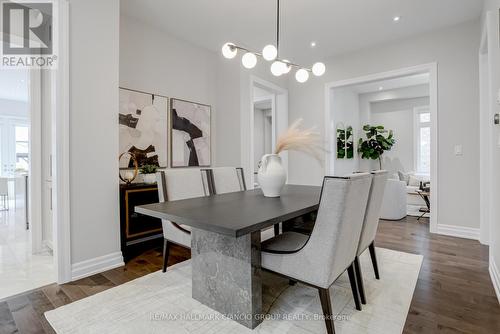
(412, 182)
(394, 205)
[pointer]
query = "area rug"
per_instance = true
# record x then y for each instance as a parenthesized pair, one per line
(162, 303)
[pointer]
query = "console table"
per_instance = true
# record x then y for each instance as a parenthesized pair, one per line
(138, 232)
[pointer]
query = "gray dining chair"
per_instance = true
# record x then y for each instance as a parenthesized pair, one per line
(173, 185)
(224, 180)
(370, 225)
(319, 259)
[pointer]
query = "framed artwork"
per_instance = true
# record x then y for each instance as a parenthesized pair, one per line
(143, 128)
(340, 141)
(345, 142)
(189, 134)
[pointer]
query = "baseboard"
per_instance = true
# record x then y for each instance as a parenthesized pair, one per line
(96, 265)
(495, 277)
(458, 231)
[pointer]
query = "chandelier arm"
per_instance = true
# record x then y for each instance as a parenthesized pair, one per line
(278, 27)
(287, 62)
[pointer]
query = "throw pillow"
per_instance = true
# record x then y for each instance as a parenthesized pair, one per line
(414, 181)
(404, 177)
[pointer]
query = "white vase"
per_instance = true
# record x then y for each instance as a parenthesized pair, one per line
(149, 178)
(271, 175)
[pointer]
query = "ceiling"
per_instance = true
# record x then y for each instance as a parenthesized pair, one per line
(337, 26)
(390, 84)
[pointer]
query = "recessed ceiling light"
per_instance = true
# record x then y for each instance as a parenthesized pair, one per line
(381, 88)
(396, 18)
(313, 44)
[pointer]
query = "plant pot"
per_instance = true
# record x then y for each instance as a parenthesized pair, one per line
(271, 175)
(149, 178)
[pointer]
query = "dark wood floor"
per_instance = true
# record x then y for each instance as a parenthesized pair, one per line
(454, 293)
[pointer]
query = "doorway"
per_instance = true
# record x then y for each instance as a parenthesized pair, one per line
(376, 99)
(26, 258)
(268, 118)
(49, 155)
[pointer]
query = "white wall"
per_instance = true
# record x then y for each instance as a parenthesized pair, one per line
(393, 94)
(258, 139)
(153, 61)
(46, 175)
(455, 51)
(365, 105)
(491, 5)
(493, 179)
(94, 47)
(344, 113)
(262, 134)
(398, 116)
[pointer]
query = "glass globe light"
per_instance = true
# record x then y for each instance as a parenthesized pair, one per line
(249, 60)
(302, 75)
(229, 50)
(318, 69)
(277, 68)
(286, 66)
(269, 52)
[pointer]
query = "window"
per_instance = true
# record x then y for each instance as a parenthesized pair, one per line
(422, 142)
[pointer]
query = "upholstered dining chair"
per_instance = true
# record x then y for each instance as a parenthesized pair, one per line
(177, 184)
(370, 225)
(222, 180)
(319, 259)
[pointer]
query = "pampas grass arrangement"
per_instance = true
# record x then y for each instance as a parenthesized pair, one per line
(303, 140)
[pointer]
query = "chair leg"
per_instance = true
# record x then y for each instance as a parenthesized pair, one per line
(359, 276)
(374, 259)
(165, 255)
(423, 214)
(276, 229)
(326, 305)
(354, 286)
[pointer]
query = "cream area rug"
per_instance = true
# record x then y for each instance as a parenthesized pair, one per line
(162, 303)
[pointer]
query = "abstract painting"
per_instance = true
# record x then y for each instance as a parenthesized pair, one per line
(190, 134)
(143, 128)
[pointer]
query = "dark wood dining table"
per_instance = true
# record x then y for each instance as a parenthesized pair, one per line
(226, 243)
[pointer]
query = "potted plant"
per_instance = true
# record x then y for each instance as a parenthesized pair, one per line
(378, 140)
(148, 173)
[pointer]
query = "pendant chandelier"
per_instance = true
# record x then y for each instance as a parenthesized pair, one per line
(270, 53)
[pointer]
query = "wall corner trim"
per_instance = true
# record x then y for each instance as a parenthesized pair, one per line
(495, 277)
(458, 231)
(96, 265)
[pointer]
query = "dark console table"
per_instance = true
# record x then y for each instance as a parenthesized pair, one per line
(138, 232)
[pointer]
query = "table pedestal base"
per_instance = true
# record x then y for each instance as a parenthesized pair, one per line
(226, 274)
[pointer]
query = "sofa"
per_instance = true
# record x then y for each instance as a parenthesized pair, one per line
(412, 182)
(394, 205)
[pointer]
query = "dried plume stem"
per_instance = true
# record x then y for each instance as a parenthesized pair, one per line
(304, 140)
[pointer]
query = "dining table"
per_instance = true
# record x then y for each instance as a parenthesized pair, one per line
(226, 243)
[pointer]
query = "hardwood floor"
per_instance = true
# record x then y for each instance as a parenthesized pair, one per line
(454, 293)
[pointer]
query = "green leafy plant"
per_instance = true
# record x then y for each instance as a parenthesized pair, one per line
(378, 140)
(345, 145)
(340, 143)
(148, 169)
